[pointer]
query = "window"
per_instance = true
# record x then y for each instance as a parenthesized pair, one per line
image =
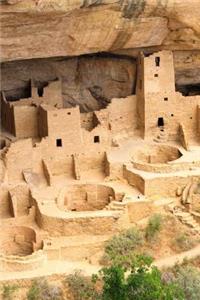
(96, 139)
(157, 61)
(59, 142)
(40, 91)
(69, 113)
(160, 122)
(155, 75)
(165, 99)
(172, 115)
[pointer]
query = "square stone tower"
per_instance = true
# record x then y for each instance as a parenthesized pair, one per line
(159, 106)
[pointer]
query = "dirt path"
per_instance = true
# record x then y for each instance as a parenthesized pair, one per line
(66, 267)
(177, 258)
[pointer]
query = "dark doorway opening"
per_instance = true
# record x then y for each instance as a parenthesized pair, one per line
(160, 122)
(157, 61)
(40, 91)
(96, 139)
(59, 142)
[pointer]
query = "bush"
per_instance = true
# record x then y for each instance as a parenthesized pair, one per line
(188, 278)
(121, 248)
(141, 282)
(33, 292)
(81, 287)
(41, 290)
(153, 227)
(183, 242)
(8, 291)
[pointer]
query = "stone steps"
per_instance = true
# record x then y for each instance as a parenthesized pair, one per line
(115, 205)
(185, 217)
(162, 136)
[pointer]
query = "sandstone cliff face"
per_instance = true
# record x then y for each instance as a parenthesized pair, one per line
(61, 31)
(46, 28)
(89, 81)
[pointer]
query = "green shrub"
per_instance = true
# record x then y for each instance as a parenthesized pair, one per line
(41, 290)
(8, 291)
(153, 227)
(183, 242)
(121, 248)
(141, 282)
(81, 287)
(188, 278)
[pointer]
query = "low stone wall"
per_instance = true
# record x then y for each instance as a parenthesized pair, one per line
(162, 185)
(17, 263)
(165, 168)
(85, 197)
(165, 186)
(139, 210)
(134, 179)
(89, 224)
(114, 169)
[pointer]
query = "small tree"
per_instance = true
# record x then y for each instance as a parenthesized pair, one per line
(141, 282)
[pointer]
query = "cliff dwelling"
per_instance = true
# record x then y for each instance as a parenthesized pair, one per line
(67, 172)
(93, 142)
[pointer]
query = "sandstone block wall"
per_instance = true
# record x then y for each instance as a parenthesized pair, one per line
(76, 226)
(165, 186)
(26, 121)
(7, 115)
(163, 106)
(19, 157)
(123, 114)
(134, 179)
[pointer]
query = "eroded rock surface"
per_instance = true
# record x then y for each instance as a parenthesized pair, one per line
(90, 82)
(46, 28)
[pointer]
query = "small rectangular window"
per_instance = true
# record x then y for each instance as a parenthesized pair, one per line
(160, 122)
(165, 99)
(155, 75)
(96, 139)
(59, 142)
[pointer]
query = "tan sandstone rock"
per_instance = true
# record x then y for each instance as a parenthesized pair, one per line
(47, 28)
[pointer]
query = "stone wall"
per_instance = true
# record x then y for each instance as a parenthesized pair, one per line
(7, 115)
(26, 121)
(69, 226)
(162, 103)
(19, 157)
(85, 197)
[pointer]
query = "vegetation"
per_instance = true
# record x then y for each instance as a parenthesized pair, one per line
(153, 227)
(183, 242)
(188, 278)
(8, 291)
(140, 281)
(82, 288)
(120, 249)
(41, 290)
